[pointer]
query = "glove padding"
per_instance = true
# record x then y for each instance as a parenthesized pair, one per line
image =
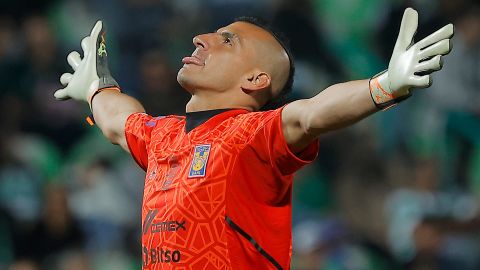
(91, 73)
(411, 63)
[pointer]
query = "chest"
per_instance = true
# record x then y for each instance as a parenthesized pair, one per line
(181, 172)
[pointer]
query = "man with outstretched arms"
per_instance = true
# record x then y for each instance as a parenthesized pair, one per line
(218, 181)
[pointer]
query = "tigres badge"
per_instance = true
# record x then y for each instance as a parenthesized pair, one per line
(199, 161)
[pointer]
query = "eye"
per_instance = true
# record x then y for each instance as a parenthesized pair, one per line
(227, 40)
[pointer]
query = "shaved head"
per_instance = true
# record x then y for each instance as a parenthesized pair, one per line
(277, 59)
(271, 57)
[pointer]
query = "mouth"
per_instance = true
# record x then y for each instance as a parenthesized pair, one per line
(193, 60)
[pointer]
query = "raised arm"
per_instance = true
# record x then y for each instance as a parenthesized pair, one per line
(110, 111)
(91, 82)
(343, 104)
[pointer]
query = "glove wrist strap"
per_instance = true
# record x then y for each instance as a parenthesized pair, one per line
(381, 95)
(90, 120)
(98, 91)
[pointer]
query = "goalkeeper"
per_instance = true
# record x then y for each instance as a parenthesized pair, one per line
(218, 182)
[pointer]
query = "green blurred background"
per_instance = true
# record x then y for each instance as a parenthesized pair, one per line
(399, 190)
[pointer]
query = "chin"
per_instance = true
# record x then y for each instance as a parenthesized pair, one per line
(184, 80)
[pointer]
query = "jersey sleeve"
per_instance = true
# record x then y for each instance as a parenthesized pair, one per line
(138, 130)
(270, 140)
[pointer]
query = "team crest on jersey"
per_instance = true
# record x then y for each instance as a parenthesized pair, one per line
(199, 161)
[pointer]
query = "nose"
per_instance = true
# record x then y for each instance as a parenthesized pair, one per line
(200, 41)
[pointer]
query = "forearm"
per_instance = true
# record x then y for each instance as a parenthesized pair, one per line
(111, 110)
(338, 106)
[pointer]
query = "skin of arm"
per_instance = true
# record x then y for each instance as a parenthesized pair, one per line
(111, 110)
(338, 106)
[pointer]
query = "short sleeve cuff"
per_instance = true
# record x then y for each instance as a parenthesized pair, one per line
(291, 162)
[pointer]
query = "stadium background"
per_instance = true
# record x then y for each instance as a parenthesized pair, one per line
(399, 190)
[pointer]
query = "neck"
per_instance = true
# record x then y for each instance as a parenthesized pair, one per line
(215, 101)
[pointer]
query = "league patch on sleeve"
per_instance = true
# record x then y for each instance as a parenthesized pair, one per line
(199, 161)
(153, 122)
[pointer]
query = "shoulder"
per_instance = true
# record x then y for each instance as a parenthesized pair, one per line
(245, 127)
(148, 121)
(257, 118)
(144, 125)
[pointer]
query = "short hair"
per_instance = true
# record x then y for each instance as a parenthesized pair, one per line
(281, 98)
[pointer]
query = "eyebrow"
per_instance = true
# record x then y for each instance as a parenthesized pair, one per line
(226, 33)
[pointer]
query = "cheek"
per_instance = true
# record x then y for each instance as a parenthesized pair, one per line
(223, 77)
(226, 69)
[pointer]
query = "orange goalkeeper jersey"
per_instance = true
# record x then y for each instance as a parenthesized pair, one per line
(218, 196)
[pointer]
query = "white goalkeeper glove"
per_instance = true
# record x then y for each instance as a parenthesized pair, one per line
(411, 63)
(91, 74)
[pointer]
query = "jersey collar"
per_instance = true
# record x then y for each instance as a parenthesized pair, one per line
(213, 117)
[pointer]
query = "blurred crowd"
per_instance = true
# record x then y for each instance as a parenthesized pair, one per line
(399, 190)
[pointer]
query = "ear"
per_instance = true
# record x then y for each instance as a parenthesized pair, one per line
(256, 81)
